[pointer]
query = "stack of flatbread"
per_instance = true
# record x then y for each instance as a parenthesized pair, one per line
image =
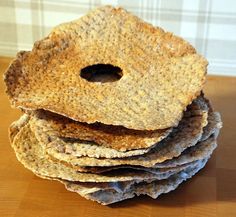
(113, 108)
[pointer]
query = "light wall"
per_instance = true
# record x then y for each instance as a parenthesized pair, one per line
(210, 25)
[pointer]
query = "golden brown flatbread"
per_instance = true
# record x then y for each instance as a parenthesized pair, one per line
(160, 73)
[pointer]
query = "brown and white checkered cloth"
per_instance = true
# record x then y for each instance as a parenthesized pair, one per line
(210, 25)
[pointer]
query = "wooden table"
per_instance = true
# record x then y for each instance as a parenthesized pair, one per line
(210, 193)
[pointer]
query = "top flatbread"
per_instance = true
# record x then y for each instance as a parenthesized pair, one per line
(161, 73)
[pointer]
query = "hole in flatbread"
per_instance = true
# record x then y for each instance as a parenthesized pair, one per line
(101, 73)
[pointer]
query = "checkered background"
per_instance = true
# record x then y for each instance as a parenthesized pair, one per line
(210, 25)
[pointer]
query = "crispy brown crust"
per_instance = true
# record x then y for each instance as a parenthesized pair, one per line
(49, 125)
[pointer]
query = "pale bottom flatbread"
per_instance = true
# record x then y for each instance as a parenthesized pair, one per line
(111, 192)
(152, 189)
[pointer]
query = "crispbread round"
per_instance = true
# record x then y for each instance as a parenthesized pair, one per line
(87, 189)
(162, 73)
